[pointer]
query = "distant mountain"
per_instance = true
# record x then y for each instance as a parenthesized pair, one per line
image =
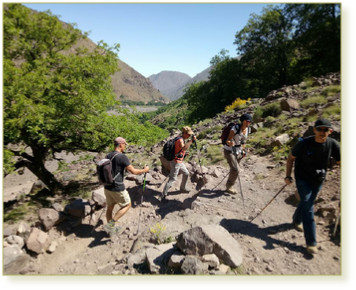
(172, 84)
(128, 84)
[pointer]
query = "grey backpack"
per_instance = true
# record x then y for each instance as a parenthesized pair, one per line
(104, 171)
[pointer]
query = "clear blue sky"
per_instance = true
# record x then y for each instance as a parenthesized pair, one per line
(157, 37)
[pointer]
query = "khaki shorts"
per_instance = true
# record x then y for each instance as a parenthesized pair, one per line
(122, 198)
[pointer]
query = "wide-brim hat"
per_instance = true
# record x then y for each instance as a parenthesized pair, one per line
(187, 130)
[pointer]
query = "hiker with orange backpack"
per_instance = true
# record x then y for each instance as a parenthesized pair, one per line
(116, 192)
(234, 145)
(177, 164)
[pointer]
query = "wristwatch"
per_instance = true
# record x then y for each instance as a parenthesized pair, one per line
(289, 178)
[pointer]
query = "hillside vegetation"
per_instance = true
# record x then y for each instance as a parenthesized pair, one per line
(283, 46)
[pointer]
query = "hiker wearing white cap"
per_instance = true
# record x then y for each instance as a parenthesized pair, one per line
(311, 156)
(177, 163)
(116, 193)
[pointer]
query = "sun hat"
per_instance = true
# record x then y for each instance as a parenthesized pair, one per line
(187, 130)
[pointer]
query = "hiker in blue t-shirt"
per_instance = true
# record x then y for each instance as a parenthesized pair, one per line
(311, 156)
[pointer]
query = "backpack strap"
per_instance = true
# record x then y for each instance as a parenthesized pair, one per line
(119, 171)
(175, 140)
(111, 157)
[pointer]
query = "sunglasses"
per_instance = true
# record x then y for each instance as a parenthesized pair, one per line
(324, 129)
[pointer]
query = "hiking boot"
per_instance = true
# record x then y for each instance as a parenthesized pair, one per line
(111, 229)
(312, 250)
(185, 190)
(163, 198)
(298, 227)
(231, 190)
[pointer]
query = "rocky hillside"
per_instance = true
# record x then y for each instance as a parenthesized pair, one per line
(168, 81)
(128, 84)
(172, 84)
(204, 232)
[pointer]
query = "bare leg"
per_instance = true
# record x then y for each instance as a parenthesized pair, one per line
(109, 210)
(121, 212)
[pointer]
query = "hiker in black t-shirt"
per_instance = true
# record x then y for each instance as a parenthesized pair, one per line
(311, 156)
(116, 193)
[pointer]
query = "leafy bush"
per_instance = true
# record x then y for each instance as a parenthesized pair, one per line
(272, 109)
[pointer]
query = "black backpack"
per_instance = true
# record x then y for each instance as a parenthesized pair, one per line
(169, 148)
(104, 171)
(226, 131)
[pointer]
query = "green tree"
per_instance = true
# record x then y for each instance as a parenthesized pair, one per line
(316, 38)
(265, 46)
(54, 100)
(221, 56)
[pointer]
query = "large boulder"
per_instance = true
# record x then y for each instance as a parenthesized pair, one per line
(14, 260)
(289, 105)
(15, 192)
(211, 239)
(38, 241)
(98, 196)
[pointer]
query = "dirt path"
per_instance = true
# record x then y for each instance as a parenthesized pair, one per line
(271, 245)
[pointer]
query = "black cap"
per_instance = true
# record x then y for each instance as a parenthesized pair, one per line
(322, 123)
(245, 117)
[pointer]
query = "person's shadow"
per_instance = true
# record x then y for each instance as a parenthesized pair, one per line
(266, 234)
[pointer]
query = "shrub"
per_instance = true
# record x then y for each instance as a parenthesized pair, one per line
(334, 110)
(331, 90)
(238, 103)
(317, 99)
(257, 113)
(272, 109)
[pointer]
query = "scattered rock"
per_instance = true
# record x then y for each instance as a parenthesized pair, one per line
(193, 266)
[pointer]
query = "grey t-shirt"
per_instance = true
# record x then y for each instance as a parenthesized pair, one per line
(239, 138)
(119, 163)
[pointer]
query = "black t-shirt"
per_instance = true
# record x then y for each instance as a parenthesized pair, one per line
(312, 157)
(119, 163)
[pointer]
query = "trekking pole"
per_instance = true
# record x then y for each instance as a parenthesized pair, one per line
(98, 220)
(201, 169)
(238, 175)
(225, 176)
(221, 180)
(269, 202)
(143, 191)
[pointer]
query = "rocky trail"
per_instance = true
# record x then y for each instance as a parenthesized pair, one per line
(207, 231)
(270, 245)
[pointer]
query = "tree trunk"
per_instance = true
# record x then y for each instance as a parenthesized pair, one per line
(45, 176)
(36, 164)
